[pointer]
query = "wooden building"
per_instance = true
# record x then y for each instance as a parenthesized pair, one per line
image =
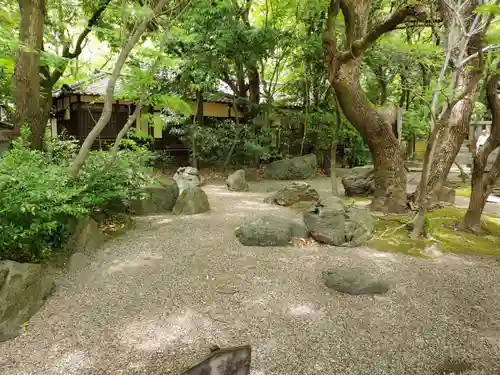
(77, 108)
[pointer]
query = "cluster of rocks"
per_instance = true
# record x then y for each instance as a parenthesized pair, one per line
(182, 195)
(328, 221)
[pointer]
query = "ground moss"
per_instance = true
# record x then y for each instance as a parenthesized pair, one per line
(463, 191)
(392, 235)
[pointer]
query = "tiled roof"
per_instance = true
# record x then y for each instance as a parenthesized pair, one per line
(97, 87)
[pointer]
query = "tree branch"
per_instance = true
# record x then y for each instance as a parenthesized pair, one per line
(67, 54)
(329, 37)
(390, 24)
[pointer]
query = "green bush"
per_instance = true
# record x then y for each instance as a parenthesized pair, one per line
(110, 187)
(38, 198)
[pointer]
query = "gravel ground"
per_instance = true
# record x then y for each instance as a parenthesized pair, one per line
(158, 297)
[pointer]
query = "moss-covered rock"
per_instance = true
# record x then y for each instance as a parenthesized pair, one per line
(298, 168)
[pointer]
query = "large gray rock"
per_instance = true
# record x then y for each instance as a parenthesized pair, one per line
(355, 281)
(237, 181)
(187, 176)
(157, 199)
(359, 183)
(298, 168)
(192, 200)
(297, 191)
(270, 231)
(333, 223)
(24, 288)
(86, 237)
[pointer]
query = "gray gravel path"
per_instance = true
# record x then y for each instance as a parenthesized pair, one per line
(157, 298)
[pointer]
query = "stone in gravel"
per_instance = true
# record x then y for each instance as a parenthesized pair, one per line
(187, 176)
(158, 199)
(298, 168)
(331, 222)
(354, 281)
(77, 262)
(292, 193)
(360, 183)
(269, 231)
(23, 290)
(86, 237)
(237, 182)
(192, 200)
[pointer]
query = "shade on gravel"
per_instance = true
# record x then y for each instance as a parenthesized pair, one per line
(158, 297)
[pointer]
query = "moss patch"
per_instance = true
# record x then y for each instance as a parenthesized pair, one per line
(392, 235)
(463, 192)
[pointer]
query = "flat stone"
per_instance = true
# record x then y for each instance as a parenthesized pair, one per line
(297, 191)
(269, 231)
(354, 281)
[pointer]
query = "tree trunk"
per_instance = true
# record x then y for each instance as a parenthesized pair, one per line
(344, 73)
(389, 172)
(27, 73)
(483, 182)
(79, 160)
(132, 118)
(450, 139)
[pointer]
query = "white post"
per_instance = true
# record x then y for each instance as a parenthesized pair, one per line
(53, 123)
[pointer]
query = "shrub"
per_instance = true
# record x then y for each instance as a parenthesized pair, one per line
(38, 198)
(110, 187)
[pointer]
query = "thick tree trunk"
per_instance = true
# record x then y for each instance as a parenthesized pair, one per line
(27, 73)
(390, 175)
(344, 73)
